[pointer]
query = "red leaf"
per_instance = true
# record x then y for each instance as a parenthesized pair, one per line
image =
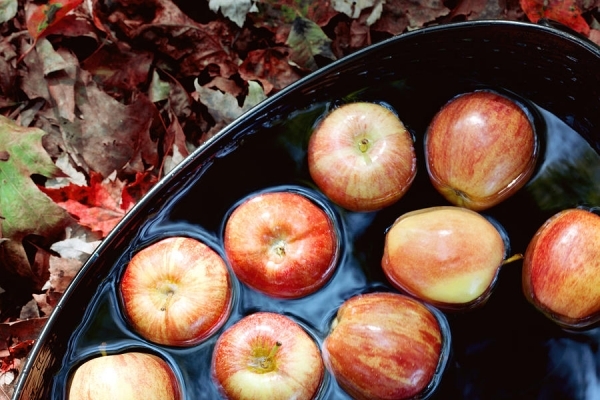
(46, 16)
(98, 206)
(134, 191)
(98, 219)
(566, 12)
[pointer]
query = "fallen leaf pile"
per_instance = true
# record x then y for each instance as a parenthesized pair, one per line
(100, 99)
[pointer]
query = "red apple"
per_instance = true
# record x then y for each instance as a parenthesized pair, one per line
(267, 356)
(386, 346)
(130, 375)
(480, 149)
(176, 292)
(447, 256)
(281, 244)
(362, 157)
(561, 269)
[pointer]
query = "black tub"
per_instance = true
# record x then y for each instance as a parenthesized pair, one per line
(504, 350)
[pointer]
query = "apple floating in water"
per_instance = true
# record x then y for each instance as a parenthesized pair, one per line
(362, 157)
(130, 375)
(447, 256)
(176, 292)
(281, 244)
(386, 346)
(267, 356)
(480, 148)
(561, 268)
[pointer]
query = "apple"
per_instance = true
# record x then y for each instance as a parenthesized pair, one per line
(480, 149)
(386, 346)
(176, 292)
(267, 356)
(561, 268)
(362, 157)
(447, 256)
(130, 375)
(281, 244)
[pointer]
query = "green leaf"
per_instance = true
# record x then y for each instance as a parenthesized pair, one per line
(24, 209)
(307, 39)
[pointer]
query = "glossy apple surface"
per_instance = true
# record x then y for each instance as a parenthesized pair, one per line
(176, 292)
(447, 256)
(267, 356)
(362, 157)
(561, 269)
(480, 149)
(384, 346)
(281, 244)
(131, 375)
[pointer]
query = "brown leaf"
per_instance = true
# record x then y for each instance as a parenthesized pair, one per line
(479, 9)
(110, 135)
(62, 272)
(270, 67)
(119, 72)
(411, 14)
(188, 46)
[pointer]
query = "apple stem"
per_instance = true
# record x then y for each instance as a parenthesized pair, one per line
(167, 300)
(265, 363)
(514, 257)
(274, 349)
(363, 145)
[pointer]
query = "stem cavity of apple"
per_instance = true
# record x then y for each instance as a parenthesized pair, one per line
(279, 248)
(262, 363)
(168, 290)
(363, 145)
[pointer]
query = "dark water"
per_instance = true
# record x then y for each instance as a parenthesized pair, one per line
(503, 350)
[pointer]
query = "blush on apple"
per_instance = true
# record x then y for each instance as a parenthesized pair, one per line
(176, 292)
(130, 375)
(267, 356)
(362, 157)
(561, 269)
(447, 256)
(480, 148)
(281, 244)
(387, 346)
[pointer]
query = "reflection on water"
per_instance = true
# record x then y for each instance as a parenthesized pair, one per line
(570, 173)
